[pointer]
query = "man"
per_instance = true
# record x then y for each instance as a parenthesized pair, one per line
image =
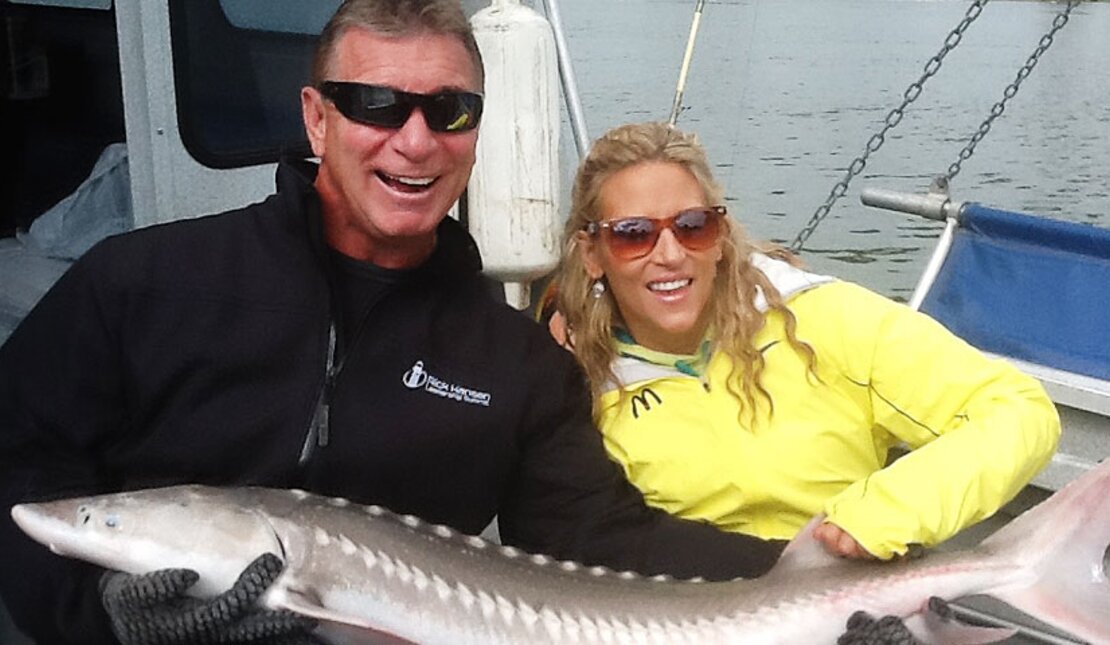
(337, 337)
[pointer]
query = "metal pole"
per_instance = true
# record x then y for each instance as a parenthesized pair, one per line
(677, 107)
(570, 86)
(936, 263)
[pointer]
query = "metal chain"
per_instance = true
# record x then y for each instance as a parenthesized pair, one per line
(893, 118)
(1012, 89)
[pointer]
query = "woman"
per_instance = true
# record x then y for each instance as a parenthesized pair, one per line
(736, 388)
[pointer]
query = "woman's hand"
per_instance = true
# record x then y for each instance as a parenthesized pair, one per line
(838, 542)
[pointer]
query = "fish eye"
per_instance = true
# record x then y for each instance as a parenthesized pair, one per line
(111, 521)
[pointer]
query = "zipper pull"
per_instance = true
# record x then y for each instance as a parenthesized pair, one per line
(323, 413)
(318, 427)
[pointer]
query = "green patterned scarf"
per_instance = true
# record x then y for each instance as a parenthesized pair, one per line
(689, 364)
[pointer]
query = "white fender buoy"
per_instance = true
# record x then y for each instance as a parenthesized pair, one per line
(512, 204)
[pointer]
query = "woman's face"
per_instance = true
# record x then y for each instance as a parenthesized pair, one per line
(663, 296)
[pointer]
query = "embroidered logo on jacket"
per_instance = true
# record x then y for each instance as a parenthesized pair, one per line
(640, 400)
(416, 378)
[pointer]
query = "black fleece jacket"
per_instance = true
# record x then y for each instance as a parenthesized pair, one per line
(198, 351)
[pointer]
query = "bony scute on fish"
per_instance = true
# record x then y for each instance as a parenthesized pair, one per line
(363, 571)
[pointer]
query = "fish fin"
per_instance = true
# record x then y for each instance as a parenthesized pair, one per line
(335, 627)
(307, 603)
(337, 634)
(805, 553)
(1064, 540)
(934, 629)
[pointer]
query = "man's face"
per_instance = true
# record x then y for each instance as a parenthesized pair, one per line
(385, 190)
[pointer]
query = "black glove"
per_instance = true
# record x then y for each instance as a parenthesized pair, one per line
(152, 609)
(890, 630)
(865, 630)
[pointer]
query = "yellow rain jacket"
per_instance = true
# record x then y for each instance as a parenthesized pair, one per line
(979, 429)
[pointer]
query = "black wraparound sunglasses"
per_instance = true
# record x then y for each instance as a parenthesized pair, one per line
(386, 107)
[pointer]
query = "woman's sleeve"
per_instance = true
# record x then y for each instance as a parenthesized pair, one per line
(979, 429)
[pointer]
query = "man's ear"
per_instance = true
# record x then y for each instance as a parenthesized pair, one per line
(314, 112)
(589, 251)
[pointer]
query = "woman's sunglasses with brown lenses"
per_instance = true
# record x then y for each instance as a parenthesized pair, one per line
(629, 238)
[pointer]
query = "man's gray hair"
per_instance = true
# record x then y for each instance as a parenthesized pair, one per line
(395, 18)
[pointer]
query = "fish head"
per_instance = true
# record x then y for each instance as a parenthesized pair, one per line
(193, 527)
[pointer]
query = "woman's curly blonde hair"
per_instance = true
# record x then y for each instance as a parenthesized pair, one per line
(735, 317)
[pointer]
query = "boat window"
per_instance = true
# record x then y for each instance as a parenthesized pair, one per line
(239, 66)
(284, 16)
(69, 4)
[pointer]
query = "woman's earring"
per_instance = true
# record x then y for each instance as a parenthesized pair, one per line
(597, 289)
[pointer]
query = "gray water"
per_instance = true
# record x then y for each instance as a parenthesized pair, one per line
(786, 93)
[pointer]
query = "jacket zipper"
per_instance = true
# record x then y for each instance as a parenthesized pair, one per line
(318, 427)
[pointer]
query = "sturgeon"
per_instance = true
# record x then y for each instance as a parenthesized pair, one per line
(363, 572)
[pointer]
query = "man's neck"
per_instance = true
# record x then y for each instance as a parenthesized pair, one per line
(404, 253)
